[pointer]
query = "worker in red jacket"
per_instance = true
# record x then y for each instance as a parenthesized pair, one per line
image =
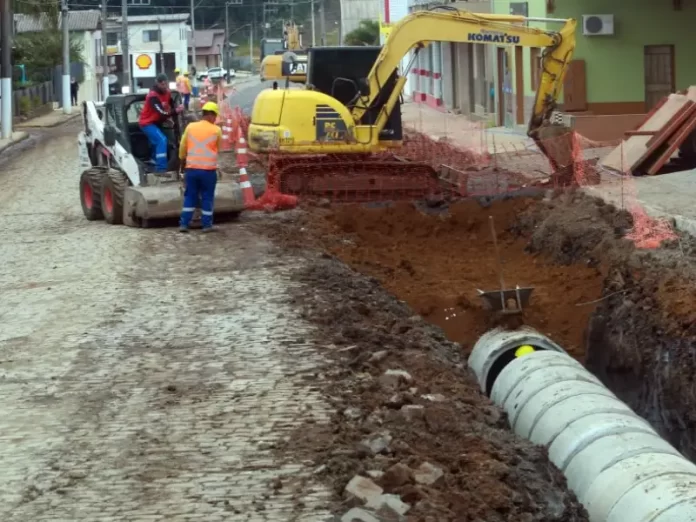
(157, 115)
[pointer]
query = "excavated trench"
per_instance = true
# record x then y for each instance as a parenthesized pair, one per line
(629, 315)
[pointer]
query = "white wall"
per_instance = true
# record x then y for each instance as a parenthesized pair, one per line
(353, 11)
(174, 40)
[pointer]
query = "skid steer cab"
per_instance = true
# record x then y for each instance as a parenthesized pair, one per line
(118, 182)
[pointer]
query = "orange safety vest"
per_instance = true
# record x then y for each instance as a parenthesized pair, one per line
(182, 84)
(202, 145)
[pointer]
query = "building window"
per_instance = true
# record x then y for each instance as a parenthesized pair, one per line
(535, 62)
(152, 35)
(111, 38)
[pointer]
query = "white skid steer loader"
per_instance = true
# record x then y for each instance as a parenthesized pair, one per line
(117, 182)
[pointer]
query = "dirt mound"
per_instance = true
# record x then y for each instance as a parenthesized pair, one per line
(432, 416)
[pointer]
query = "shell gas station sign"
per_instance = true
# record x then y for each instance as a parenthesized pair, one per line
(144, 65)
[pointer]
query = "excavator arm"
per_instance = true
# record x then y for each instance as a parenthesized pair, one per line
(452, 25)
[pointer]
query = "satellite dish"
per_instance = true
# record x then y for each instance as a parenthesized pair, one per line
(289, 57)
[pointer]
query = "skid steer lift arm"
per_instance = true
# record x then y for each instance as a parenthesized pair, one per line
(453, 25)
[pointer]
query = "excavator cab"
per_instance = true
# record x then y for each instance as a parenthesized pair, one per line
(341, 73)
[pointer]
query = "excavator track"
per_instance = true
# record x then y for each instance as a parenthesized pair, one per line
(348, 178)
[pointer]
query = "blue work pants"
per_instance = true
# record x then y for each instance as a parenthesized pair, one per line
(187, 100)
(200, 186)
(159, 146)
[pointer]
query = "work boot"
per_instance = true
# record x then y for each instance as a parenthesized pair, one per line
(209, 229)
(183, 230)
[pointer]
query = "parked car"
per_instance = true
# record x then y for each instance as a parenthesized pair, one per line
(217, 73)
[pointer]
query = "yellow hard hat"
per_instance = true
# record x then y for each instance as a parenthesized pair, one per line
(211, 107)
(185, 73)
(177, 70)
(524, 350)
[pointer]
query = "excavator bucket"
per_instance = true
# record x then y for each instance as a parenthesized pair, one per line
(164, 201)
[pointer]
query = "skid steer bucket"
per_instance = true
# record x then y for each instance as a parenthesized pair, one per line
(164, 200)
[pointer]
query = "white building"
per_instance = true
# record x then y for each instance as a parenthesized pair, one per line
(85, 27)
(354, 11)
(445, 75)
(157, 43)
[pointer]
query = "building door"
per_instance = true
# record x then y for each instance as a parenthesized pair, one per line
(659, 73)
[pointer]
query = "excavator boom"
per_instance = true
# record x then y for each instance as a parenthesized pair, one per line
(453, 25)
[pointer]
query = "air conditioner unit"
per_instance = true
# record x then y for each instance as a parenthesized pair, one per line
(595, 25)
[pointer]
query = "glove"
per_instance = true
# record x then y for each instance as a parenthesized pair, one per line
(180, 109)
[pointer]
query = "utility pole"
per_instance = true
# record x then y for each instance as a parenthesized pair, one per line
(226, 59)
(105, 57)
(161, 45)
(67, 102)
(314, 30)
(292, 11)
(6, 69)
(193, 42)
(322, 22)
(251, 48)
(125, 47)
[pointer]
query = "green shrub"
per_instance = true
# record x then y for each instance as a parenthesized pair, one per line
(36, 102)
(24, 105)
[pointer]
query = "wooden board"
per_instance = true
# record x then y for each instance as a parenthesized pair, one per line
(631, 150)
(673, 144)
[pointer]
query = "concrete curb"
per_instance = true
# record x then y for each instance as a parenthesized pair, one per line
(24, 136)
(28, 124)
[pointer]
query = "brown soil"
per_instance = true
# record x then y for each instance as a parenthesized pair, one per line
(436, 263)
(489, 474)
(640, 307)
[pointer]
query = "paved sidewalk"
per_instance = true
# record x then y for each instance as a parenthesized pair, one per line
(17, 137)
(52, 119)
(463, 132)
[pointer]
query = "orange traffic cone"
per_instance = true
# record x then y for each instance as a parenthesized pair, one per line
(243, 163)
(227, 129)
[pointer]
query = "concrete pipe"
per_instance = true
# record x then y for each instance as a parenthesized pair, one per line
(614, 461)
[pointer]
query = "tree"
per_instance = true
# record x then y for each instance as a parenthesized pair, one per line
(41, 51)
(367, 33)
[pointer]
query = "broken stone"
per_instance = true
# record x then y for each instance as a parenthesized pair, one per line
(435, 397)
(319, 469)
(413, 411)
(413, 391)
(392, 378)
(352, 413)
(375, 473)
(363, 488)
(428, 474)
(379, 356)
(396, 476)
(359, 515)
(377, 444)
(392, 502)
(396, 401)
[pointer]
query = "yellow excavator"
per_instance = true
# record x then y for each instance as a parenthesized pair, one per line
(288, 64)
(358, 112)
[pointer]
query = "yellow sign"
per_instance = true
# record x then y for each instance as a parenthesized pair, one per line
(112, 50)
(385, 29)
(143, 62)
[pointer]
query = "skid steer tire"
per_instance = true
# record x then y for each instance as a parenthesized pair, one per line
(113, 188)
(90, 194)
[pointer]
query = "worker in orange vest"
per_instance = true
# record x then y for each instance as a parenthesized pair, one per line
(183, 85)
(198, 151)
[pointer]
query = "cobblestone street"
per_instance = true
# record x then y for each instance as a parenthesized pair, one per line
(144, 375)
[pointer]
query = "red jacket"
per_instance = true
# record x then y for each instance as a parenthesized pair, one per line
(157, 109)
